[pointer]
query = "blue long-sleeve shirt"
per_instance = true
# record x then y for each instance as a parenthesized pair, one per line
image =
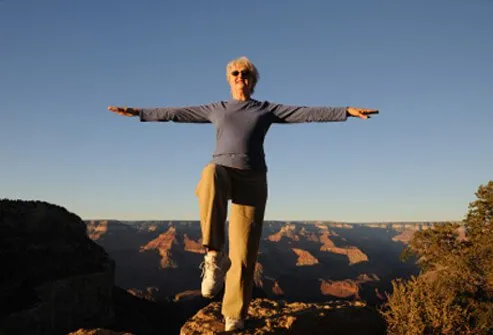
(241, 126)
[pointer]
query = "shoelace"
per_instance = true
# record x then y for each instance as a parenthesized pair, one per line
(204, 266)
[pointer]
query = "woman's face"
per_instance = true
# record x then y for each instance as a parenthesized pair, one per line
(239, 78)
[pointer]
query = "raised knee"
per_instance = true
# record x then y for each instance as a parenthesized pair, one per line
(215, 172)
(216, 175)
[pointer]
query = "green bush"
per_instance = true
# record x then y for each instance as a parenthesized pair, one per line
(454, 292)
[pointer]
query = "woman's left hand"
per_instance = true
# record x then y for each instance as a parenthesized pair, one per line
(362, 113)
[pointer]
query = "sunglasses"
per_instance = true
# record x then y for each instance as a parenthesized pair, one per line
(244, 73)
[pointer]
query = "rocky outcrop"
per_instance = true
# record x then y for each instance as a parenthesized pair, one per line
(353, 254)
(268, 284)
(98, 331)
(163, 244)
(346, 288)
(309, 235)
(340, 289)
(187, 295)
(151, 228)
(366, 278)
(279, 317)
(149, 293)
(54, 278)
(258, 275)
(96, 229)
(305, 258)
(114, 235)
(288, 231)
(405, 236)
(192, 245)
(276, 289)
(327, 243)
(341, 225)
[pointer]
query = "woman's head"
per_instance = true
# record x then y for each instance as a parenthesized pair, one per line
(241, 72)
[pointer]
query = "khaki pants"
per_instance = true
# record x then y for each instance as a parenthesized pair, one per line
(248, 193)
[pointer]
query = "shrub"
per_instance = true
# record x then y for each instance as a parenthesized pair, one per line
(454, 292)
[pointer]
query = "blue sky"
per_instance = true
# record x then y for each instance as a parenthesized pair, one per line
(427, 65)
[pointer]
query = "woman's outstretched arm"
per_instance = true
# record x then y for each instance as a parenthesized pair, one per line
(299, 114)
(191, 114)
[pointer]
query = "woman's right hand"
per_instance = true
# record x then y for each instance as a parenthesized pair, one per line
(125, 111)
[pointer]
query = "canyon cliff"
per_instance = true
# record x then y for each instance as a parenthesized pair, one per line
(54, 277)
(56, 280)
(161, 259)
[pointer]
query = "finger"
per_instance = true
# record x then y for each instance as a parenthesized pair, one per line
(369, 111)
(124, 114)
(117, 109)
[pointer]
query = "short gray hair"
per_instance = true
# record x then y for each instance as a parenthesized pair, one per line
(254, 75)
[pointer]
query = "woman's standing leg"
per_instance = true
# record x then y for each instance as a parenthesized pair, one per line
(245, 229)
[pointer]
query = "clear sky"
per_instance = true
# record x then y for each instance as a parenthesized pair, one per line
(426, 64)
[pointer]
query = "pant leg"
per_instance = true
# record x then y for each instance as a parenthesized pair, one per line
(213, 191)
(245, 228)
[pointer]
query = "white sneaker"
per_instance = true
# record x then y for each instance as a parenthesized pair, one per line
(231, 324)
(214, 268)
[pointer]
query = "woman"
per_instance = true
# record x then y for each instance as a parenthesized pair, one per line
(237, 172)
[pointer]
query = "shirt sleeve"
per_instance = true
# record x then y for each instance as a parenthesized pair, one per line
(188, 114)
(300, 114)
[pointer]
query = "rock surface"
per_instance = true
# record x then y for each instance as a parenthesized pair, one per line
(192, 245)
(269, 285)
(54, 278)
(305, 258)
(353, 254)
(163, 244)
(288, 231)
(98, 331)
(404, 236)
(279, 317)
(148, 293)
(341, 289)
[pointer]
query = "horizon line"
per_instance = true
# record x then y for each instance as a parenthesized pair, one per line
(321, 221)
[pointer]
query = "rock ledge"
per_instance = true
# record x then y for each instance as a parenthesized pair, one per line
(280, 317)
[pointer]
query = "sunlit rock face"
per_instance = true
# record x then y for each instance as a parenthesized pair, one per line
(194, 246)
(341, 289)
(54, 277)
(163, 244)
(279, 317)
(305, 258)
(404, 236)
(288, 231)
(353, 254)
